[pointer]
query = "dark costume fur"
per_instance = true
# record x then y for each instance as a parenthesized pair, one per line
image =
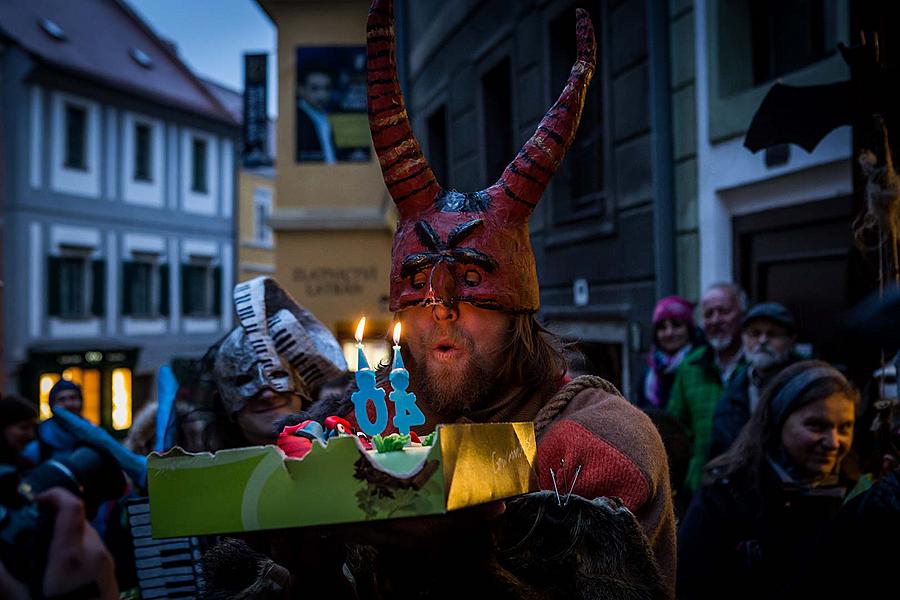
(543, 547)
(571, 547)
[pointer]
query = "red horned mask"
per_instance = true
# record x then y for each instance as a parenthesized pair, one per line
(455, 246)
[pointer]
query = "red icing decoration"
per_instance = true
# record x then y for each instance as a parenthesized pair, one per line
(294, 445)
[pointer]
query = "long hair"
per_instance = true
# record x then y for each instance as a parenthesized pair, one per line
(762, 434)
(534, 355)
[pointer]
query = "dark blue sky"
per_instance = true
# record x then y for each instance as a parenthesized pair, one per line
(212, 36)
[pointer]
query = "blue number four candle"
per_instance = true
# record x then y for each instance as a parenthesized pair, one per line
(406, 411)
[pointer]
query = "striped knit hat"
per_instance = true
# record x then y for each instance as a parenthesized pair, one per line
(455, 246)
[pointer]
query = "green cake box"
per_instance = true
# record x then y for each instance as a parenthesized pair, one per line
(248, 489)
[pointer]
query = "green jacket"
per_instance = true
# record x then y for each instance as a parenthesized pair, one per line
(695, 393)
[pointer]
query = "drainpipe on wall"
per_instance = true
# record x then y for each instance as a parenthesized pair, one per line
(664, 252)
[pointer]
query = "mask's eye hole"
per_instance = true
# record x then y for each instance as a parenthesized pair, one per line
(472, 278)
(279, 374)
(418, 280)
(242, 380)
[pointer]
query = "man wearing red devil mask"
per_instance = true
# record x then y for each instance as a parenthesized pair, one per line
(464, 284)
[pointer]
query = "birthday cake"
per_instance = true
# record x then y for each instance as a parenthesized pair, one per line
(338, 479)
(398, 454)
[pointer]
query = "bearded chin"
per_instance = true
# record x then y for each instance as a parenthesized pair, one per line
(720, 343)
(451, 390)
(765, 360)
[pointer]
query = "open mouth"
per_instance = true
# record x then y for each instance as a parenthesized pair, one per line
(446, 350)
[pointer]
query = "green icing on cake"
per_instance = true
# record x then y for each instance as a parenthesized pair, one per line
(390, 443)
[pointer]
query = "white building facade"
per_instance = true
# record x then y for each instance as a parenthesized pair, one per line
(119, 228)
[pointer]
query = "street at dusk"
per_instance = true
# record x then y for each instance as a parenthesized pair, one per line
(376, 299)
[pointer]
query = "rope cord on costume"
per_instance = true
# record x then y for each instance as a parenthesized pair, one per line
(561, 400)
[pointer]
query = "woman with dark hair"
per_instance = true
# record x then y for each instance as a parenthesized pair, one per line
(674, 335)
(17, 429)
(767, 501)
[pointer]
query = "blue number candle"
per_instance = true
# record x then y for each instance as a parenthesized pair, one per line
(406, 411)
(365, 381)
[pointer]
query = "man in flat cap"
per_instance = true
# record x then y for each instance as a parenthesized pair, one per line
(768, 335)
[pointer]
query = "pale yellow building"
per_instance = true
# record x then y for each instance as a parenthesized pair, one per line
(332, 223)
(256, 199)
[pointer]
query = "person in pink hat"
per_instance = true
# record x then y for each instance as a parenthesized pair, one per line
(674, 334)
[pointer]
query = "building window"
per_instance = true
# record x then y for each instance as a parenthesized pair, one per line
(88, 379)
(262, 210)
(75, 285)
(496, 102)
(121, 399)
(200, 287)
(437, 144)
(76, 137)
(144, 287)
(787, 35)
(199, 183)
(579, 182)
(143, 152)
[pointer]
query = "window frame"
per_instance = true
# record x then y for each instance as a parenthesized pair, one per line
(153, 297)
(206, 264)
(503, 55)
(262, 232)
(199, 180)
(145, 174)
(593, 207)
(438, 150)
(69, 256)
(732, 106)
(69, 162)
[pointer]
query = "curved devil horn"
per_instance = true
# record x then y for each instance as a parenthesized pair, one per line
(407, 175)
(523, 182)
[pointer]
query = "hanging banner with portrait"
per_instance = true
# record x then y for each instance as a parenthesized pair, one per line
(331, 114)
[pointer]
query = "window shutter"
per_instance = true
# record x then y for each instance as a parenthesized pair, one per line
(217, 291)
(164, 290)
(53, 287)
(99, 287)
(127, 283)
(186, 308)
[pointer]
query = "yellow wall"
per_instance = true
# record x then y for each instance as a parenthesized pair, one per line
(314, 23)
(251, 252)
(342, 273)
(338, 276)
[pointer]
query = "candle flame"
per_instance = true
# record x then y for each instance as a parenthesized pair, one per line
(397, 334)
(360, 328)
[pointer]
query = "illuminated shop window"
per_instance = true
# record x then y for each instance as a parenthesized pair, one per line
(89, 380)
(121, 399)
(45, 385)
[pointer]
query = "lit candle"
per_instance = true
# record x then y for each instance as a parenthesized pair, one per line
(365, 381)
(406, 411)
(361, 362)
